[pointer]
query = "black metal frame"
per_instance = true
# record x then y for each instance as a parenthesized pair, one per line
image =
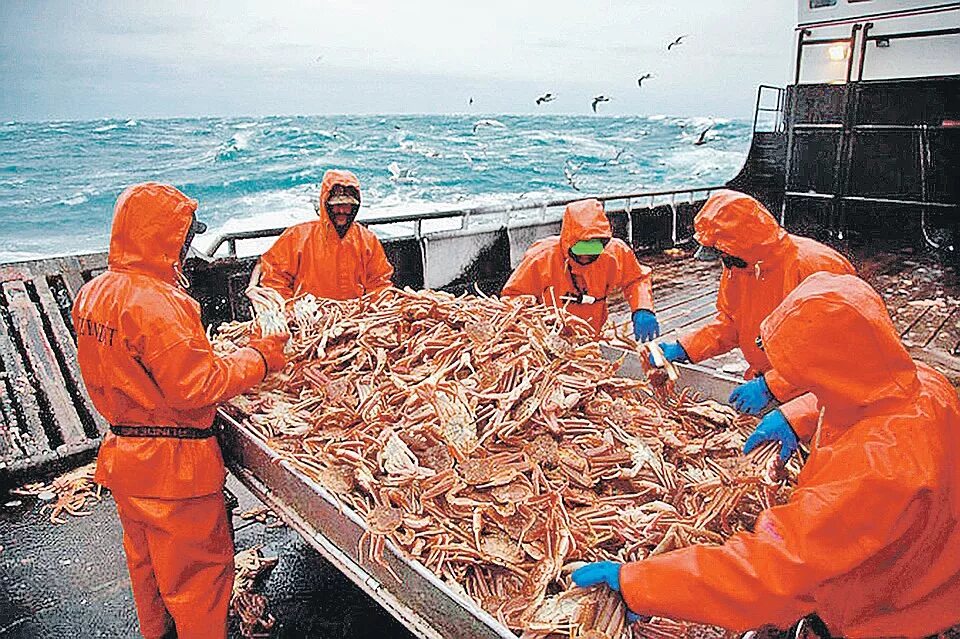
(778, 124)
(847, 127)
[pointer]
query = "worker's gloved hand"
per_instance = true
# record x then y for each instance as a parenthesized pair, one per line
(271, 349)
(602, 572)
(774, 427)
(751, 397)
(673, 352)
(645, 325)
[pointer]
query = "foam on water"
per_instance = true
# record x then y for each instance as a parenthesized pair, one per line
(60, 180)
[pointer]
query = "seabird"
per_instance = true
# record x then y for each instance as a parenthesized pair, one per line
(599, 98)
(615, 159)
(676, 42)
(702, 139)
(471, 102)
(570, 171)
(643, 77)
(546, 97)
(400, 175)
(480, 123)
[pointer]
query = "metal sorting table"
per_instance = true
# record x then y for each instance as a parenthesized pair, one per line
(422, 601)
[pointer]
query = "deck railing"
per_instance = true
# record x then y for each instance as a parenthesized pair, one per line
(508, 212)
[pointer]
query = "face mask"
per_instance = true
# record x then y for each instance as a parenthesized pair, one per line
(196, 227)
(732, 261)
(584, 260)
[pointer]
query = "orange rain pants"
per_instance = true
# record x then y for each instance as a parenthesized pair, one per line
(548, 273)
(870, 538)
(312, 258)
(146, 361)
(180, 557)
(777, 262)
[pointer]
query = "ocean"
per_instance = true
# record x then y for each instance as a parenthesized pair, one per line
(60, 180)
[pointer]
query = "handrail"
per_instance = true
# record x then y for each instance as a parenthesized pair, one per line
(231, 238)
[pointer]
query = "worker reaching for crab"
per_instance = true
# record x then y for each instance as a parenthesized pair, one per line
(869, 540)
(151, 372)
(333, 256)
(762, 263)
(582, 266)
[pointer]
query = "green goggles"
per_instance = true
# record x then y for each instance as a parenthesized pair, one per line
(589, 247)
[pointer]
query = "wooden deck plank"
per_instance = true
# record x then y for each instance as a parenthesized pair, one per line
(33, 438)
(927, 326)
(63, 341)
(26, 321)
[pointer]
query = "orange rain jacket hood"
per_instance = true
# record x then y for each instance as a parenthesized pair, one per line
(548, 272)
(870, 537)
(312, 258)
(739, 225)
(145, 358)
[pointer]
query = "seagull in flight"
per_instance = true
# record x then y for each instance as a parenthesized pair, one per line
(546, 97)
(702, 139)
(493, 123)
(598, 99)
(471, 102)
(570, 170)
(645, 76)
(676, 42)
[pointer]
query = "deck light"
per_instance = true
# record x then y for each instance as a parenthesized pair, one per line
(838, 52)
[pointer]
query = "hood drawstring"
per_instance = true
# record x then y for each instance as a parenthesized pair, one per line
(181, 278)
(756, 269)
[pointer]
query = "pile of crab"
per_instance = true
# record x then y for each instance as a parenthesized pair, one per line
(492, 441)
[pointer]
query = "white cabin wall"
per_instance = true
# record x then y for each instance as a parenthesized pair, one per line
(903, 58)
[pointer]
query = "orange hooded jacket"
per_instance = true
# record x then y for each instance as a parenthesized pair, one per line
(548, 272)
(870, 538)
(145, 358)
(777, 262)
(312, 258)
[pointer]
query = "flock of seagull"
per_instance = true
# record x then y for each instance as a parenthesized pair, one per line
(570, 169)
(550, 97)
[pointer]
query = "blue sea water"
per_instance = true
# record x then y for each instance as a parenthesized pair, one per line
(59, 180)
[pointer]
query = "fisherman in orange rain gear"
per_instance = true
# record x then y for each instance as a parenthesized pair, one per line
(582, 266)
(762, 263)
(152, 374)
(332, 256)
(870, 538)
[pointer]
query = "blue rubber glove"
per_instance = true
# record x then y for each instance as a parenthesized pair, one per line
(602, 572)
(645, 325)
(673, 351)
(751, 397)
(774, 427)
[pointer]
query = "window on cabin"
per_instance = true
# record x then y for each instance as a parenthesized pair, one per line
(817, 4)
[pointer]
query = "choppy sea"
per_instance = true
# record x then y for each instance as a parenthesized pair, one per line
(59, 180)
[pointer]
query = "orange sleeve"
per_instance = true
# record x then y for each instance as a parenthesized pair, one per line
(379, 271)
(803, 415)
(782, 390)
(848, 515)
(720, 335)
(526, 279)
(634, 279)
(184, 367)
(280, 264)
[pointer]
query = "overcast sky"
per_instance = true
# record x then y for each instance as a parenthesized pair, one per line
(138, 59)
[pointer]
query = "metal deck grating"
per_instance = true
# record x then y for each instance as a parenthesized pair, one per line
(47, 420)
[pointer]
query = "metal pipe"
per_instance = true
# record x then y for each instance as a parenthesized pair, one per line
(800, 44)
(863, 50)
